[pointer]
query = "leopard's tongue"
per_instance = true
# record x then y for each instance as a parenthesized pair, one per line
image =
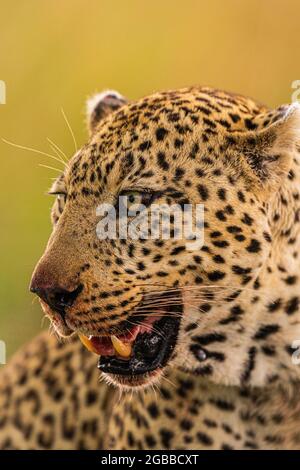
(121, 344)
(110, 345)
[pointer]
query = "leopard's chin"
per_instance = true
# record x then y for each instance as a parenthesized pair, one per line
(130, 382)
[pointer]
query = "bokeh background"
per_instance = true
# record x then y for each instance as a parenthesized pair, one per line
(55, 53)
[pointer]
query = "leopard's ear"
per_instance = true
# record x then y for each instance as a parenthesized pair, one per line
(269, 149)
(102, 104)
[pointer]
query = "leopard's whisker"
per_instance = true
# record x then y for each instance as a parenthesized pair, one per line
(49, 167)
(23, 147)
(70, 129)
(168, 380)
(58, 151)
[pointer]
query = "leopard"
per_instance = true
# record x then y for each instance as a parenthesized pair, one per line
(168, 342)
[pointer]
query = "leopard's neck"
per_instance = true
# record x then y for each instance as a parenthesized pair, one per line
(188, 412)
(279, 280)
(261, 326)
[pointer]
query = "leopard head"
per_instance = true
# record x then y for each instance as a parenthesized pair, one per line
(144, 302)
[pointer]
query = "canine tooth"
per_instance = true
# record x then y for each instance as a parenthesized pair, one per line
(123, 349)
(87, 343)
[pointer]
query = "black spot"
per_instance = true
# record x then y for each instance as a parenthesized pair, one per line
(166, 437)
(250, 124)
(222, 194)
(130, 439)
(161, 133)
(210, 423)
(268, 350)
(218, 259)
(161, 160)
(241, 196)
(229, 209)
(234, 117)
(249, 365)
(153, 410)
(235, 313)
(227, 428)
(177, 250)
(233, 229)
(254, 246)
(205, 308)
(224, 123)
(128, 160)
(200, 172)
(194, 151)
(178, 143)
(240, 271)
(267, 237)
(226, 447)
(150, 441)
(215, 234)
(173, 117)
(247, 220)
(204, 439)
(216, 276)
(223, 404)
(170, 413)
(265, 331)
(220, 215)
(221, 243)
(290, 280)
(162, 274)
(186, 424)
(203, 191)
(179, 172)
(145, 145)
(91, 398)
(85, 191)
(203, 371)
(165, 393)
(292, 305)
(141, 266)
(204, 340)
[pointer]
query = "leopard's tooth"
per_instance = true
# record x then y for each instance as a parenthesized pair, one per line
(87, 343)
(123, 349)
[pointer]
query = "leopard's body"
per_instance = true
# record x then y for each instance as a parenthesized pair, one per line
(231, 381)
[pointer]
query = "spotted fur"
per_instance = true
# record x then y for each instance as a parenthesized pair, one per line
(231, 382)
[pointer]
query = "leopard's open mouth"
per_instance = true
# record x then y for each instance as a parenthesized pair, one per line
(134, 357)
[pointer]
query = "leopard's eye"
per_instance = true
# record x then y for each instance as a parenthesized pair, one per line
(58, 206)
(61, 201)
(61, 197)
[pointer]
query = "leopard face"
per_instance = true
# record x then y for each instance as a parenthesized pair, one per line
(145, 305)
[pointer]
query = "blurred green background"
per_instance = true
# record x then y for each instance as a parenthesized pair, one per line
(55, 53)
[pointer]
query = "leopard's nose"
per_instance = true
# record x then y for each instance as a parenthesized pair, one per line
(56, 297)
